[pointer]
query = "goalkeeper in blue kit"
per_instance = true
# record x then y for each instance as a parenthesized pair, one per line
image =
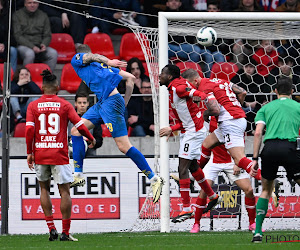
(102, 76)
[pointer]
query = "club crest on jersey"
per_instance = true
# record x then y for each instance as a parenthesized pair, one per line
(77, 56)
(188, 89)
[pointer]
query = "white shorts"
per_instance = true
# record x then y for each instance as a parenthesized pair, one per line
(62, 174)
(190, 144)
(231, 132)
(212, 170)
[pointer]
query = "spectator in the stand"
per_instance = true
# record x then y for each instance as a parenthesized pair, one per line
(135, 67)
(130, 16)
(33, 34)
(253, 83)
(248, 6)
(81, 106)
(285, 68)
(140, 112)
(22, 85)
(270, 5)
(186, 48)
(229, 5)
(64, 21)
(289, 6)
(266, 57)
(4, 37)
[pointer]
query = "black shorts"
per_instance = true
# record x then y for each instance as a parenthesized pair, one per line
(280, 153)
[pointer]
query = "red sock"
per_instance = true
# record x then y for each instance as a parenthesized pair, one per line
(200, 206)
(246, 164)
(66, 223)
(200, 178)
(50, 222)
(185, 191)
(258, 175)
(250, 207)
(205, 156)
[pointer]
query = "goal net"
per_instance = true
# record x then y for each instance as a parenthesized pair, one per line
(252, 50)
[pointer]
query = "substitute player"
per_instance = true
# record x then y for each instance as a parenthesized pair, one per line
(99, 74)
(47, 150)
(222, 161)
(190, 122)
(231, 120)
(281, 118)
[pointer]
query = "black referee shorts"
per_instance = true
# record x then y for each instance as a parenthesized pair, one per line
(280, 153)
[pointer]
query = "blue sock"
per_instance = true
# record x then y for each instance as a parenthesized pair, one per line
(137, 157)
(78, 153)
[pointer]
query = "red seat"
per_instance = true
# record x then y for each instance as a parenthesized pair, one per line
(183, 66)
(100, 43)
(105, 131)
(130, 47)
(35, 71)
(64, 45)
(146, 68)
(2, 73)
(130, 130)
(20, 130)
(69, 81)
(224, 70)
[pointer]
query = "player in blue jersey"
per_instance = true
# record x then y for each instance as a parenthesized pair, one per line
(102, 76)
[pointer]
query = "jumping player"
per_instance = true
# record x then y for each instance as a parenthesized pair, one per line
(190, 122)
(222, 161)
(46, 136)
(101, 76)
(231, 120)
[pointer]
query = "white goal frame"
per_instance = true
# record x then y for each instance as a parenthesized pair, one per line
(163, 19)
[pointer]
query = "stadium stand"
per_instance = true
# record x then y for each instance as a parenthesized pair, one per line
(35, 71)
(130, 47)
(64, 45)
(183, 66)
(101, 43)
(69, 81)
(225, 70)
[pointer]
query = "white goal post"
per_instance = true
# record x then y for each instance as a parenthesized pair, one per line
(211, 17)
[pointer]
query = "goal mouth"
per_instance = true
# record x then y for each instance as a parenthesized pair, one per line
(239, 44)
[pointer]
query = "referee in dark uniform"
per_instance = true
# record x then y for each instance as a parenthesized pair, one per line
(281, 118)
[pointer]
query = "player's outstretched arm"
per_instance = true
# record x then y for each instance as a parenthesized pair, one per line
(129, 84)
(240, 93)
(90, 57)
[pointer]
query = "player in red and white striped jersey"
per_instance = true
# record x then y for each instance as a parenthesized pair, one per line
(222, 161)
(190, 122)
(47, 149)
(232, 122)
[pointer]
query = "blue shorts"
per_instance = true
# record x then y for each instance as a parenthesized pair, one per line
(111, 113)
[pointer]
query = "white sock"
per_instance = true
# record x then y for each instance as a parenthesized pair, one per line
(153, 179)
(187, 209)
(213, 196)
(78, 174)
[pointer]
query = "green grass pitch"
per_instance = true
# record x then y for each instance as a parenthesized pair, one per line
(154, 240)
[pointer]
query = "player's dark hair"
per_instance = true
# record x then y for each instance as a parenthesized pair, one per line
(140, 64)
(173, 70)
(49, 80)
(284, 85)
(190, 74)
(83, 48)
(81, 94)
